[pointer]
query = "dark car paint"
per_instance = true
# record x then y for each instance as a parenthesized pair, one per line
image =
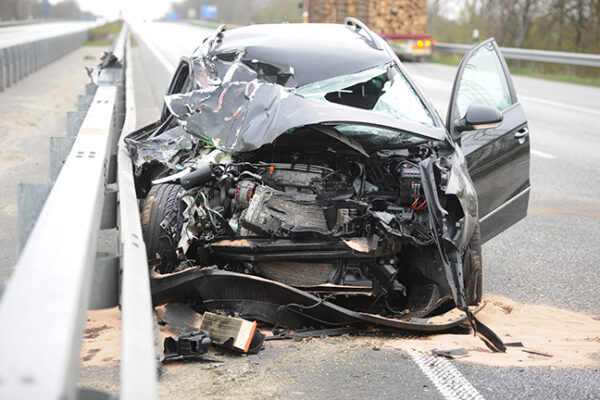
(497, 158)
(498, 162)
(344, 52)
(491, 155)
(319, 68)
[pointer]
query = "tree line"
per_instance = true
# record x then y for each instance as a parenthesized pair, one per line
(561, 25)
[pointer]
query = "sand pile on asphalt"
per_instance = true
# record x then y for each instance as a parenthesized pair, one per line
(567, 338)
(101, 345)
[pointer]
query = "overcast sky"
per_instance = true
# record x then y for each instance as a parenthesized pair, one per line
(132, 9)
(151, 9)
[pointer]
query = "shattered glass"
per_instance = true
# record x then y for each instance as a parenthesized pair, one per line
(394, 95)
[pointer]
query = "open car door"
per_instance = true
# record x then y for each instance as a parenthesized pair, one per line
(497, 154)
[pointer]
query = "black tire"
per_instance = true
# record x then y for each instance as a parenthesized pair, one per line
(472, 269)
(161, 243)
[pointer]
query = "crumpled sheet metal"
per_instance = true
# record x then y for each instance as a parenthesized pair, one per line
(239, 104)
(243, 116)
(170, 148)
(257, 298)
(243, 104)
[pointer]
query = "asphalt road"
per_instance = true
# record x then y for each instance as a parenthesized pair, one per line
(13, 35)
(550, 258)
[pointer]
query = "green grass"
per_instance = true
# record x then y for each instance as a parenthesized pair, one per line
(455, 60)
(103, 35)
(132, 39)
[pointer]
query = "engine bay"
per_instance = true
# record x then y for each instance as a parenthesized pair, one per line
(326, 219)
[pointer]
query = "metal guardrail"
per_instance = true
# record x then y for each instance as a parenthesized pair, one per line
(556, 57)
(15, 22)
(18, 61)
(45, 302)
(138, 362)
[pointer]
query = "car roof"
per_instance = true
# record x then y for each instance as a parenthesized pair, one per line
(313, 52)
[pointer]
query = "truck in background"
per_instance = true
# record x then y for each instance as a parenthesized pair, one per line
(400, 22)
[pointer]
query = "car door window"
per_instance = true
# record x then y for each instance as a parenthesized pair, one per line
(483, 82)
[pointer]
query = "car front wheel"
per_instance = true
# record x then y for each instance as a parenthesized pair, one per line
(160, 227)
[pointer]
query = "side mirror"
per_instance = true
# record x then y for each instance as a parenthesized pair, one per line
(479, 116)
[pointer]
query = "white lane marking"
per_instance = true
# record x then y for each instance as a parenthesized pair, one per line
(542, 154)
(559, 104)
(448, 381)
(163, 60)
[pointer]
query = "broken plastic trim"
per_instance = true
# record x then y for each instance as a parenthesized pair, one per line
(450, 256)
(256, 298)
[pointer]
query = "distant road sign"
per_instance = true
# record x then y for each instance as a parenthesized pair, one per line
(209, 11)
(172, 17)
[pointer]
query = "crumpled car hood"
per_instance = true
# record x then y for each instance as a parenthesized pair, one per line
(243, 116)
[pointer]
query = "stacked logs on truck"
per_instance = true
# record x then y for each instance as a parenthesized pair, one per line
(382, 16)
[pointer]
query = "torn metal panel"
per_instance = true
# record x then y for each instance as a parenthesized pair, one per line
(242, 116)
(257, 298)
(169, 149)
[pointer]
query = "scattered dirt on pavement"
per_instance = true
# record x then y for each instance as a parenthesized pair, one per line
(101, 343)
(570, 338)
(564, 338)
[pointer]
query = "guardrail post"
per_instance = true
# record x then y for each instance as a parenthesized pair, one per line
(10, 64)
(31, 199)
(74, 121)
(2, 69)
(27, 59)
(84, 101)
(22, 62)
(106, 282)
(60, 147)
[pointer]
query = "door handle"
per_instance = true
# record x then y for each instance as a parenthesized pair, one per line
(521, 133)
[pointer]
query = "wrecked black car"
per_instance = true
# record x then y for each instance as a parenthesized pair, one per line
(298, 176)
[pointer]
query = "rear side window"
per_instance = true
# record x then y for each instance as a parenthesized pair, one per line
(484, 82)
